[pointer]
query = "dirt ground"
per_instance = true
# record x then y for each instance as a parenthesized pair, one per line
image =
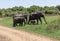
(1, 18)
(9, 34)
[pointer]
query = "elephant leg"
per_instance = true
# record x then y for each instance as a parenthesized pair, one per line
(44, 20)
(40, 20)
(26, 19)
(24, 22)
(19, 24)
(14, 24)
(29, 21)
(37, 21)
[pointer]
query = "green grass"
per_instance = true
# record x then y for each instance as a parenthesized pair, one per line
(52, 29)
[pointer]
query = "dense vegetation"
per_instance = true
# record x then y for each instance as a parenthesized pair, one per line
(21, 9)
(51, 29)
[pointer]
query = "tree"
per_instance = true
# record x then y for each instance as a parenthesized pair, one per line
(58, 7)
(3, 11)
(34, 8)
(0, 13)
(21, 8)
(15, 8)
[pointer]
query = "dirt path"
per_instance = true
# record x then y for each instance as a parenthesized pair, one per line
(15, 35)
(1, 18)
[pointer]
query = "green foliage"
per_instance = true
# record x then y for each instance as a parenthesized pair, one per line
(14, 10)
(58, 7)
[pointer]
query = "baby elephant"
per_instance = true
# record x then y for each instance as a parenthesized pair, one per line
(33, 22)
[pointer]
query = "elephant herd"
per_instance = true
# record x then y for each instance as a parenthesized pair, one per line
(22, 19)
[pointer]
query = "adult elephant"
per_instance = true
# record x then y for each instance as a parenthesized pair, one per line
(36, 16)
(21, 15)
(19, 19)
